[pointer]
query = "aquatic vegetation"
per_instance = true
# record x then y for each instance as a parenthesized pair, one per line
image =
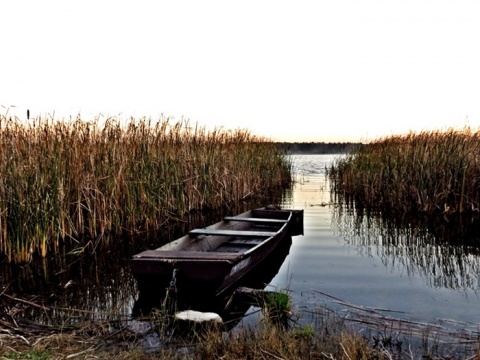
(277, 308)
(78, 182)
(429, 173)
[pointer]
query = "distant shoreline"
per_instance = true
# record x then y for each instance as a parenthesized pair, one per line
(319, 147)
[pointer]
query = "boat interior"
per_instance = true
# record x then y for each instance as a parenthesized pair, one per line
(234, 235)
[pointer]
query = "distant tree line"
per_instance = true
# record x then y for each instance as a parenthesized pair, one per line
(319, 147)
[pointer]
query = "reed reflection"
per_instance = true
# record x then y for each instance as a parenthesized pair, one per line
(445, 254)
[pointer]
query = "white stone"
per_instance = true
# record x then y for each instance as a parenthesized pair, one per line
(199, 317)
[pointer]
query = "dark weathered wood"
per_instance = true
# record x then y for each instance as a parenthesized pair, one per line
(271, 214)
(295, 217)
(232, 232)
(245, 241)
(202, 255)
(255, 220)
(232, 248)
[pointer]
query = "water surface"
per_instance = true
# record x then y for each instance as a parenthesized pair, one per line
(368, 261)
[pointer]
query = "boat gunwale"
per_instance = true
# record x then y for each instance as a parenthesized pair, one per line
(202, 264)
(283, 229)
(168, 253)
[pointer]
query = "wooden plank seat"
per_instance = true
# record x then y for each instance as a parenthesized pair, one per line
(221, 232)
(245, 242)
(200, 255)
(255, 220)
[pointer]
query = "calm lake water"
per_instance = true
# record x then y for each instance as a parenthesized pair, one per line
(370, 263)
(409, 272)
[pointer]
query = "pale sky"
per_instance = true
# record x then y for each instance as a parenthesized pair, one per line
(336, 70)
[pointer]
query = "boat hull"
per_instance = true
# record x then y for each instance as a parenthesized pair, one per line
(212, 260)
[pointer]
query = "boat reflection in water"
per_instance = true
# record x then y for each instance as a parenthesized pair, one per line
(195, 298)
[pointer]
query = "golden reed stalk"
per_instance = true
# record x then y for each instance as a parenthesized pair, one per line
(64, 181)
(429, 172)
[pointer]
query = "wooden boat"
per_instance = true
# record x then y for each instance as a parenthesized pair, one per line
(230, 305)
(213, 259)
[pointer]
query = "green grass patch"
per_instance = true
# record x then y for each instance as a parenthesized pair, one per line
(29, 355)
(278, 308)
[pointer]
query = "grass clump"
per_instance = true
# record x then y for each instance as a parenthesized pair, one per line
(29, 355)
(77, 182)
(430, 173)
(278, 308)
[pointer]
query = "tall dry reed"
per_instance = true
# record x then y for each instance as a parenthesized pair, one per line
(434, 172)
(63, 181)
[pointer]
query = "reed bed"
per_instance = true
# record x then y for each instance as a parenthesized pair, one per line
(428, 173)
(78, 182)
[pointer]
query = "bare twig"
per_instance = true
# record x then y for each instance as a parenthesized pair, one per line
(24, 301)
(92, 348)
(345, 351)
(270, 354)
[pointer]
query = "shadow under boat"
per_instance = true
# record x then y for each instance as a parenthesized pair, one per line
(228, 304)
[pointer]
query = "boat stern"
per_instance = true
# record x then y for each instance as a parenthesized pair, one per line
(296, 223)
(295, 216)
(186, 269)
